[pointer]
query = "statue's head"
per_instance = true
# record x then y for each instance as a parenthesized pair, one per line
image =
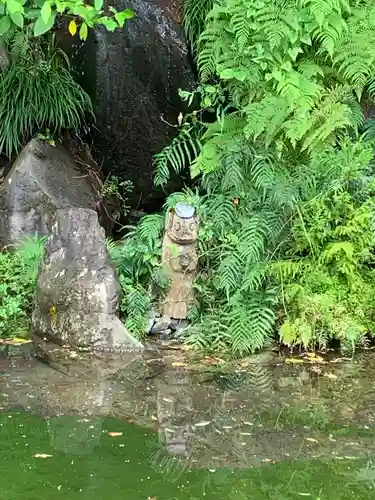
(182, 227)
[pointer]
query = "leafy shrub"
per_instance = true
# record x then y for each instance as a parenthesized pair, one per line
(37, 91)
(138, 261)
(286, 80)
(327, 277)
(18, 273)
(42, 15)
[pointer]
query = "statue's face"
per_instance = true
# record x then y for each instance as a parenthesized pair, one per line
(181, 230)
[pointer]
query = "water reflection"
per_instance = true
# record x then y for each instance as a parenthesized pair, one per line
(266, 412)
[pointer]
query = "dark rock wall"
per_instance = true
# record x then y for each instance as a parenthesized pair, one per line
(133, 76)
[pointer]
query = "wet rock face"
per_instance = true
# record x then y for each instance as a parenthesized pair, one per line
(42, 179)
(133, 76)
(77, 295)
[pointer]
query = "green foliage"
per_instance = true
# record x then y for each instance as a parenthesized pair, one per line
(194, 16)
(177, 156)
(327, 275)
(138, 261)
(37, 91)
(286, 181)
(113, 187)
(42, 15)
(18, 273)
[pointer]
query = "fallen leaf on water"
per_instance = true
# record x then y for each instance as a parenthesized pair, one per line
(312, 440)
(294, 361)
(202, 424)
(184, 347)
(316, 369)
(212, 360)
(330, 375)
(42, 455)
(178, 363)
(15, 341)
(152, 498)
(114, 434)
(313, 358)
(244, 363)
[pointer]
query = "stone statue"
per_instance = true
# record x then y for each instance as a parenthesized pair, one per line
(180, 259)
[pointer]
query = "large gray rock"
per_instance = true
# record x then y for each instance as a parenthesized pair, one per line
(77, 295)
(133, 76)
(41, 180)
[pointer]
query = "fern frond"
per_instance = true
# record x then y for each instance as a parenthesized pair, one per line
(251, 323)
(151, 227)
(254, 232)
(30, 253)
(208, 49)
(194, 16)
(135, 305)
(221, 211)
(230, 272)
(177, 156)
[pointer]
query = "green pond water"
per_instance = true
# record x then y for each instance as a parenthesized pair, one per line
(270, 430)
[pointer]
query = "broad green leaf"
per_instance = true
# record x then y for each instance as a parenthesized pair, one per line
(306, 39)
(32, 14)
(227, 74)
(293, 52)
(41, 27)
(18, 19)
(2, 9)
(98, 4)
(46, 12)
(5, 24)
(80, 10)
(72, 27)
(123, 16)
(13, 6)
(128, 14)
(83, 31)
(110, 24)
(240, 75)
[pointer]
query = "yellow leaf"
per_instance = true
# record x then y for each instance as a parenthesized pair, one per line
(72, 27)
(330, 375)
(52, 310)
(42, 455)
(294, 361)
(178, 363)
(18, 340)
(314, 358)
(312, 440)
(213, 360)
